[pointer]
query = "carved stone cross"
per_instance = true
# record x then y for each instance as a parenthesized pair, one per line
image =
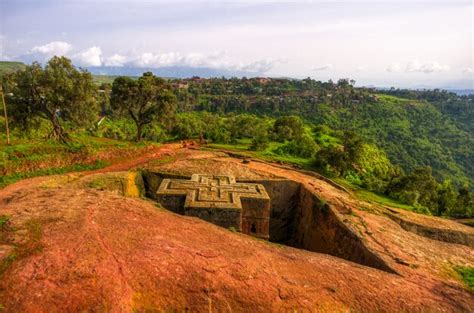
(221, 200)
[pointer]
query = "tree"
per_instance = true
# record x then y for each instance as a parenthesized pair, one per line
(303, 146)
(446, 197)
(342, 158)
(145, 100)
(464, 206)
(260, 139)
(288, 128)
(419, 188)
(58, 92)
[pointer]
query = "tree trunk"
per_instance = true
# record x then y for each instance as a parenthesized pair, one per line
(139, 132)
(58, 131)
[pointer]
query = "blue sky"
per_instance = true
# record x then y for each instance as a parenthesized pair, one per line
(383, 43)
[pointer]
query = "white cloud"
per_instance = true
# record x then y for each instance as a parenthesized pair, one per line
(361, 68)
(89, 57)
(417, 66)
(323, 67)
(425, 67)
(214, 60)
(260, 66)
(58, 48)
(115, 60)
(149, 59)
(395, 67)
(468, 70)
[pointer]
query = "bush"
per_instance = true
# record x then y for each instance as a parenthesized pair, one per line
(187, 126)
(259, 143)
(303, 146)
(118, 129)
(288, 128)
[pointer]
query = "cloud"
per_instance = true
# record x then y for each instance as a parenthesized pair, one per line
(89, 57)
(93, 57)
(149, 59)
(394, 68)
(468, 70)
(261, 66)
(115, 60)
(58, 48)
(416, 66)
(323, 67)
(425, 67)
(361, 68)
(218, 60)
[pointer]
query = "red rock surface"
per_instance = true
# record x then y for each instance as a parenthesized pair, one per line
(99, 251)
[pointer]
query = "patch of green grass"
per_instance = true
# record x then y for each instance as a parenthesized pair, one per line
(33, 245)
(467, 275)
(373, 197)
(35, 232)
(243, 145)
(3, 221)
(7, 262)
(469, 223)
(109, 79)
(369, 196)
(10, 179)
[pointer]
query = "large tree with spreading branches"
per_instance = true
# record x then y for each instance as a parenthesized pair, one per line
(144, 100)
(58, 92)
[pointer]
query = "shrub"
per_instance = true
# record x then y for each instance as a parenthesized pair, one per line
(303, 146)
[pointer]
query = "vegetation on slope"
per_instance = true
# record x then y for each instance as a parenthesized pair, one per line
(413, 132)
(10, 67)
(467, 275)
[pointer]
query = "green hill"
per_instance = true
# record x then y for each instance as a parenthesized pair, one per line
(7, 66)
(414, 131)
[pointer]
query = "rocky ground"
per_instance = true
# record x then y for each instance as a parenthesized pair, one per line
(87, 242)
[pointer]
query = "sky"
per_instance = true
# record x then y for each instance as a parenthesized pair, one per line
(381, 43)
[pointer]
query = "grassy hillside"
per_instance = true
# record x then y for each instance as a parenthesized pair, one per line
(101, 79)
(413, 133)
(7, 67)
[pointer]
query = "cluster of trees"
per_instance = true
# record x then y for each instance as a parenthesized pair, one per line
(368, 166)
(63, 94)
(415, 129)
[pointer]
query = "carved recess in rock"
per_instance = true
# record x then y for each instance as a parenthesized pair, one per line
(219, 199)
(296, 217)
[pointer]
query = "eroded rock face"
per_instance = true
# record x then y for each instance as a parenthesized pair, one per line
(319, 228)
